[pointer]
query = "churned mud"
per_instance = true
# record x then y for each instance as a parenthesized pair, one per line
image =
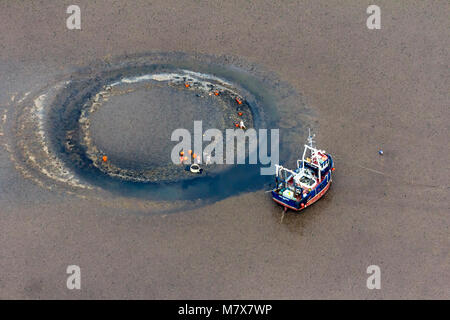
(108, 127)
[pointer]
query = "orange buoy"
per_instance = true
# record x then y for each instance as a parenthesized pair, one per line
(239, 114)
(185, 158)
(194, 156)
(238, 101)
(236, 125)
(186, 85)
(190, 151)
(181, 153)
(216, 93)
(105, 158)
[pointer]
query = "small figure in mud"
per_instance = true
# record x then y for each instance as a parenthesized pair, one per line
(242, 125)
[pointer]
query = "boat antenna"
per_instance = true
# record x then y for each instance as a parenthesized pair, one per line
(311, 138)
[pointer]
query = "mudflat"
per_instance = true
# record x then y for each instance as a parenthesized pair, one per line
(371, 89)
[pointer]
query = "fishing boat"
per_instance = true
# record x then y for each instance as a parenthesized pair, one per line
(300, 188)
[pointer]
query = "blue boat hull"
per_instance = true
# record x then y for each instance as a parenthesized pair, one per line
(311, 197)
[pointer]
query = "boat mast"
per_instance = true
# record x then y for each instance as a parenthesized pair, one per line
(311, 138)
(313, 150)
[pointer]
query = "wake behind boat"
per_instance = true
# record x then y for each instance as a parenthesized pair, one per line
(299, 188)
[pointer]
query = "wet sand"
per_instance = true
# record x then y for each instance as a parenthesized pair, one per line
(384, 89)
(124, 120)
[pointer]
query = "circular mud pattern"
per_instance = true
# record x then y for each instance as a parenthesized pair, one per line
(127, 109)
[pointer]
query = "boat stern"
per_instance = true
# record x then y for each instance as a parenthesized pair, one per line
(286, 202)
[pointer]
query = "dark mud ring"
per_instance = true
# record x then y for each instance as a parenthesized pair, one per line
(271, 103)
(73, 105)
